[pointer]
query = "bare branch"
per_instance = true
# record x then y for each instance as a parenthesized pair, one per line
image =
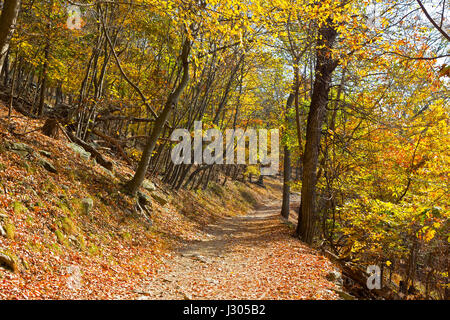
(432, 21)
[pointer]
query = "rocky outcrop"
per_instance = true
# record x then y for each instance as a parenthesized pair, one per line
(20, 148)
(148, 185)
(77, 149)
(47, 165)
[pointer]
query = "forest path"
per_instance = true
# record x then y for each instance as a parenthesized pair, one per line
(247, 257)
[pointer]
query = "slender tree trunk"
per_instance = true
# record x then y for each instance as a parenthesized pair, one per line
(286, 183)
(5, 70)
(8, 20)
(260, 181)
(324, 69)
(133, 185)
(11, 101)
(44, 80)
(287, 170)
(43, 91)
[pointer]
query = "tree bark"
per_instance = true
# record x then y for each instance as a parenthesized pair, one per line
(287, 170)
(43, 91)
(285, 207)
(8, 20)
(324, 69)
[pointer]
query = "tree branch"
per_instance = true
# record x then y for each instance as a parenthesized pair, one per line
(432, 21)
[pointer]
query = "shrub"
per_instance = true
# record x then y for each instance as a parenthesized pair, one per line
(61, 238)
(10, 231)
(68, 226)
(18, 207)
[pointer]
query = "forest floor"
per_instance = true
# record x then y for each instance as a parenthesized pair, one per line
(225, 242)
(253, 256)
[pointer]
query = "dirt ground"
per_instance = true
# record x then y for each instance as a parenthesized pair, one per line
(246, 257)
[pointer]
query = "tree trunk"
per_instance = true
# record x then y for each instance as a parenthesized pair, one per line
(286, 183)
(287, 169)
(44, 81)
(5, 70)
(8, 20)
(133, 185)
(324, 68)
(260, 181)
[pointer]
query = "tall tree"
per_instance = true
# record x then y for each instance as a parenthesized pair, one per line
(8, 20)
(287, 169)
(133, 185)
(325, 65)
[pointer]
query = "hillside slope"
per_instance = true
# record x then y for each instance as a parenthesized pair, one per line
(70, 233)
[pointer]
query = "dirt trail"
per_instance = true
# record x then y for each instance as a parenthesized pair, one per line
(247, 257)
